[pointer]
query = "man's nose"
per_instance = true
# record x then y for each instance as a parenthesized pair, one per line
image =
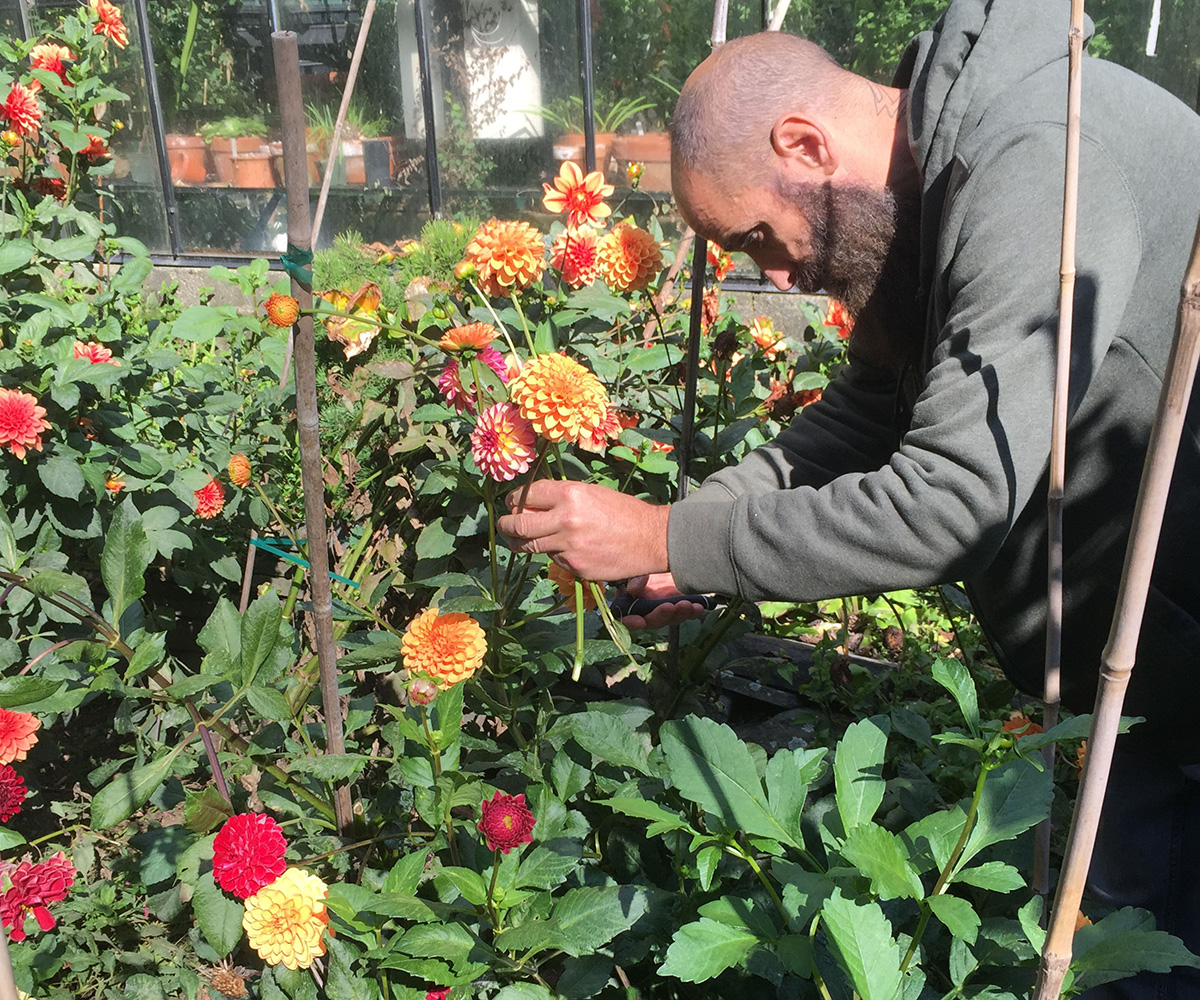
(780, 277)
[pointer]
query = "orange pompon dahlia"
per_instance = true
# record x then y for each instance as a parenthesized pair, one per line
(560, 397)
(17, 737)
(21, 423)
(21, 111)
(446, 648)
(609, 429)
(582, 198)
(210, 499)
(239, 470)
(109, 23)
(282, 310)
(49, 56)
(285, 921)
(836, 315)
(721, 261)
(629, 258)
(564, 580)
(471, 337)
(97, 354)
(503, 442)
(359, 328)
(574, 253)
(508, 256)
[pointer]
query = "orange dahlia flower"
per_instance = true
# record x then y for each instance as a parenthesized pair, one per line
(508, 256)
(472, 337)
(609, 429)
(97, 354)
(49, 56)
(239, 470)
(764, 334)
(564, 580)
(447, 648)
(96, 149)
(356, 330)
(629, 258)
(109, 23)
(836, 315)
(282, 310)
(574, 253)
(634, 172)
(1021, 725)
(560, 397)
(17, 737)
(582, 198)
(503, 442)
(210, 499)
(114, 484)
(21, 111)
(21, 423)
(721, 261)
(285, 921)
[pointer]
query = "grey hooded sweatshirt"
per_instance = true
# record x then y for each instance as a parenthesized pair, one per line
(853, 499)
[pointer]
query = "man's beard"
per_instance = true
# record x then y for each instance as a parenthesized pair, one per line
(864, 250)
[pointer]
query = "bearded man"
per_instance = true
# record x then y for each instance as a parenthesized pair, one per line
(933, 210)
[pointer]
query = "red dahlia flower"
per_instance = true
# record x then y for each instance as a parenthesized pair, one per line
(49, 56)
(12, 792)
(210, 499)
(31, 888)
(22, 111)
(507, 822)
(248, 854)
(17, 734)
(110, 24)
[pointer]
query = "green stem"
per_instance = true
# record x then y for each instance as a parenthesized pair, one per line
(524, 326)
(499, 325)
(577, 666)
(737, 850)
(816, 973)
(491, 905)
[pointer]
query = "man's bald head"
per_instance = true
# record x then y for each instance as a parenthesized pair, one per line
(722, 122)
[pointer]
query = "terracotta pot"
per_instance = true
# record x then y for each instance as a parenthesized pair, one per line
(572, 147)
(186, 153)
(252, 169)
(352, 161)
(652, 150)
(225, 149)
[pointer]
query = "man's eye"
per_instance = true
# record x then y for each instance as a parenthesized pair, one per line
(752, 240)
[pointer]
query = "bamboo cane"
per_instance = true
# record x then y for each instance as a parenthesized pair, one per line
(1052, 693)
(8, 984)
(1117, 661)
(780, 13)
(295, 171)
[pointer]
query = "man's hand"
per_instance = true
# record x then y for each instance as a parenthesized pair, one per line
(659, 587)
(595, 532)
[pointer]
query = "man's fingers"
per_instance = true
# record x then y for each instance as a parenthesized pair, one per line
(541, 494)
(527, 525)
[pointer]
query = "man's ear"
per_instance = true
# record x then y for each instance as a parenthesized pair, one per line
(805, 142)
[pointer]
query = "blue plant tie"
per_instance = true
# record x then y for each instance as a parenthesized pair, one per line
(271, 545)
(296, 261)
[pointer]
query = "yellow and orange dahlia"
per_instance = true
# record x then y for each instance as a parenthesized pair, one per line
(471, 337)
(447, 648)
(503, 443)
(282, 310)
(21, 111)
(49, 56)
(582, 198)
(239, 470)
(564, 580)
(629, 258)
(109, 22)
(561, 398)
(508, 256)
(285, 921)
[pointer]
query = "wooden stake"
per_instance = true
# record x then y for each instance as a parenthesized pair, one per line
(1117, 661)
(295, 172)
(1052, 693)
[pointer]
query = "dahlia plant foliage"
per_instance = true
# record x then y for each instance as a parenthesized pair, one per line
(544, 804)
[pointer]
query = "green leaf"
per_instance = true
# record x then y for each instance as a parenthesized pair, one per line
(788, 776)
(198, 324)
(524, 991)
(881, 856)
(1116, 947)
(405, 874)
(958, 915)
(468, 882)
(62, 476)
(218, 917)
(706, 948)
(332, 766)
(126, 793)
(9, 839)
(1030, 918)
(348, 901)
(954, 676)
(548, 865)
(1016, 796)
(450, 941)
(269, 702)
(662, 820)
(1076, 728)
(14, 254)
(221, 639)
(858, 770)
(861, 937)
(127, 553)
(204, 809)
(711, 766)
(931, 839)
(804, 893)
(259, 633)
(607, 738)
(18, 691)
(590, 917)
(993, 875)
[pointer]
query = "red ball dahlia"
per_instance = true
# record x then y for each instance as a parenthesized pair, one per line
(12, 792)
(248, 854)
(507, 822)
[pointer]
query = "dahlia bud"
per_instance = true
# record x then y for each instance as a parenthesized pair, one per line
(464, 269)
(239, 470)
(10, 138)
(422, 691)
(723, 347)
(634, 172)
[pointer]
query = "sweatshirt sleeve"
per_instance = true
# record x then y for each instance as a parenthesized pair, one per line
(832, 507)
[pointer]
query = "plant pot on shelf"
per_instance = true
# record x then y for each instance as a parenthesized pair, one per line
(572, 146)
(186, 155)
(352, 162)
(653, 151)
(225, 149)
(252, 168)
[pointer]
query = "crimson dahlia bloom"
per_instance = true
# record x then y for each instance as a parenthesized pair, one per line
(12, 792)
(248, 854)
(31, 888)
(507, 822)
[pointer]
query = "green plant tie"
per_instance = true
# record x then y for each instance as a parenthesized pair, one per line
(296, 261)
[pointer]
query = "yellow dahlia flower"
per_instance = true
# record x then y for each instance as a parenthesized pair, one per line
(447, 648)
(286, 920)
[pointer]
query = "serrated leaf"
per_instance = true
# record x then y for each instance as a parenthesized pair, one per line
(125, 793)
(259, 633)
(858, 770)
(788, 776)
(269, 702)
(548, 865)
(1076, 728)
(524, 991)
(993, 875)
(221, 639)
(1030, 918)
(198, 324)
(1016, 796)
(14, 254)
(711, 766)
(61, 476)
(956, 678)
(468, 882)
(608, 738)
(347, 900)
(957, 914)
(881, 857)
(331, 766)
(706, 948)
(405, 874)
(218, 917)
(1101, 957)
(18, 691)
(861, 937)
(590, 917)
(204, 809)
(804, 892)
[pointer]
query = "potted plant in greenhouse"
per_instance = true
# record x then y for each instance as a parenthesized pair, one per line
(239, 152)
(650, 149)
(360, 126)
(609, 115)
(187, 155)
